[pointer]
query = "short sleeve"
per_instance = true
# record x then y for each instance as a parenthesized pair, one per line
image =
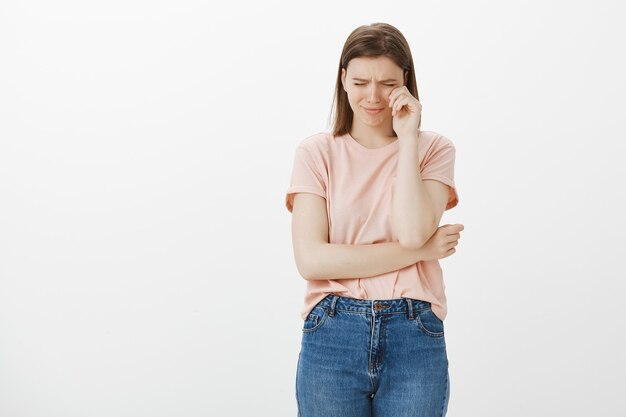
(308, 175)
(439, 165)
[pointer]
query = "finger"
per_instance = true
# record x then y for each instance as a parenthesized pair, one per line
(395, 108)
(397, 105)
(393, 99)
(453, 228)
(402, 92)
(411, 104)
(396, 92)
(451, 244)
(451, 239)
(401, 102)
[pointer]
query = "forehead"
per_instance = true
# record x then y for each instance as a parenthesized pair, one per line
(379, 67)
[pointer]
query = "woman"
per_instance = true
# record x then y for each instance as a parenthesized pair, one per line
(366, 202)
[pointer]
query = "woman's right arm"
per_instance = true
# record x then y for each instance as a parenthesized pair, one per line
(318, 259)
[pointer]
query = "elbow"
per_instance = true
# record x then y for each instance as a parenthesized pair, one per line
(307, 273)
(308, 264)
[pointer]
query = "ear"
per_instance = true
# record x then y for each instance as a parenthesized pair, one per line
(343, 79)
(406, 77)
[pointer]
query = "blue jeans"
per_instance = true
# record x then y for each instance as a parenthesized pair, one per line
(372, 358)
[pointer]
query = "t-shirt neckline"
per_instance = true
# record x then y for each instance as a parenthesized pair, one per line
(363, 149)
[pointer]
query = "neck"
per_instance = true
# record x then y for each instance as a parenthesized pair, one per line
(368, 135)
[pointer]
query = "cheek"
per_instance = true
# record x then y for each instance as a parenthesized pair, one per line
(353, 99)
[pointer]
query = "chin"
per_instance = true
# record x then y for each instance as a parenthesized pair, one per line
(374, 121)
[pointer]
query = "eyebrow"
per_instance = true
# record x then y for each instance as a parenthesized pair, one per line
(382, 81)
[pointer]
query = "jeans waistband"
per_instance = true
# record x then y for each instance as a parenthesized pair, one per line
(375, 307)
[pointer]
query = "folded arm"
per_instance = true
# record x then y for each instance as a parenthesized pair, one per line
(316, 258)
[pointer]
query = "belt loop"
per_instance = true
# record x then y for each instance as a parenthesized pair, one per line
(409, 304)
(331, 312)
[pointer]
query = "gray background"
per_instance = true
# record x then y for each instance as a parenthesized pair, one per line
(146, 266)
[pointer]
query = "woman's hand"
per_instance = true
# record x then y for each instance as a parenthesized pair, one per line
(406, 111)
(442, 243)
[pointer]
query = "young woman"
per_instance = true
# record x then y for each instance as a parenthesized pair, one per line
(366, 201)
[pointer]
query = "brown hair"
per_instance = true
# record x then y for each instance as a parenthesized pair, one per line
(376, 39)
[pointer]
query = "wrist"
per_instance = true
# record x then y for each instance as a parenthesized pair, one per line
(408, 141)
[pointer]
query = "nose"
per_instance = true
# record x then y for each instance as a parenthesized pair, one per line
(373, 96)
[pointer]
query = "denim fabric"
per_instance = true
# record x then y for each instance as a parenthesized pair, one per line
(372, 358)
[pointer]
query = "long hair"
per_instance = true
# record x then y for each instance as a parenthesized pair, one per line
(376, 39)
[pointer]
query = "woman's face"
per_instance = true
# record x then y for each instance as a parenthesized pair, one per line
(368, 82)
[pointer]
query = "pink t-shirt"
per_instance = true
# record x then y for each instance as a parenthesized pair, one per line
(358, 183)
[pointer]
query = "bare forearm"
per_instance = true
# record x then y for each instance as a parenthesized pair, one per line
(412, 209)
(337, 261)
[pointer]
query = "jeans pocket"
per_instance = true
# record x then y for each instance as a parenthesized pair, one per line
(429, 323)
(314, 320)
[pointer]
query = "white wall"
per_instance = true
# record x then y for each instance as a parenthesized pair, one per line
(146, 266)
